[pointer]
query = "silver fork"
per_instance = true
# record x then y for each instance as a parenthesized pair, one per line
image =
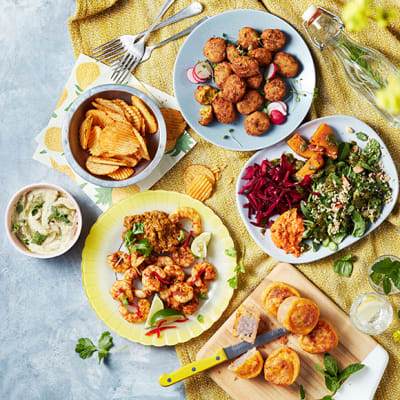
(117, 47)
(149, 49)
(135, 50)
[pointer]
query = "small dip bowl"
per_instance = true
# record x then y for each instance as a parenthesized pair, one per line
(77, 157)
(76, 229)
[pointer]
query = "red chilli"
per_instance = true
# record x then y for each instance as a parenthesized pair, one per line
(160, 279)
(137, 309)
(192, 281)
(188, 239)
(159, 329)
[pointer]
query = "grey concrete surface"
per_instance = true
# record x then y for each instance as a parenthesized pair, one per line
(43, 307)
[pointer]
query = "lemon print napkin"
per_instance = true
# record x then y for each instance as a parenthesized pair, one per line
(97, 21)
(88, 73)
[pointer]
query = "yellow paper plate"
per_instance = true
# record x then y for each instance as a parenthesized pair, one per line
(105, 238)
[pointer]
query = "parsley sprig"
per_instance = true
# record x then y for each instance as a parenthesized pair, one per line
(233, 282)
(333, 377)
(55, 214)
(86, 348)
(132, 244)
(38, 238)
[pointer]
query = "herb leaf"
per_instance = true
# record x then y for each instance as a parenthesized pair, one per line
(376, 278)
(137, 228)
(181, 235)
(105, 341)
(344, 266)
(143, 247)
(19, 208)
(38, 238)
(55, 214)
(202, 296)
(15, 228)
(200, 318)
(302, 393)
(384, 266)
(386, 285)
(350, 370)
(85, 348)
(359, 224)
(331, 383)
(233, 282)
(331, 365)
(231, 252)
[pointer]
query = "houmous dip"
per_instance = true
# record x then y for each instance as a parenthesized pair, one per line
(44, 220)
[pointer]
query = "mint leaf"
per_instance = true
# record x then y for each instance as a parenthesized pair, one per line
(331, 365)
(344, 266)
(384, 266)
(331, 383)
(350, 370)
(302, 393)
(386, 285)
(376, 278)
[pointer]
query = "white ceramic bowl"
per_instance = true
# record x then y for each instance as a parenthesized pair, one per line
(77, 157)
(76, 229)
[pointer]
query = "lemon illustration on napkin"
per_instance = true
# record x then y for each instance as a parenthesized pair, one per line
(62, 98)
(52, 139)
(65, 169)
(87, 73)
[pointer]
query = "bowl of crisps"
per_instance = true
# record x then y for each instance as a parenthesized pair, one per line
(114, 135)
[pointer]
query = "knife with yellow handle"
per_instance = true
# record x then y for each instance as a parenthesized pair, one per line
(223, 354)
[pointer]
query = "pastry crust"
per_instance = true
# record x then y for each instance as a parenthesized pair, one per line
(321, 339)
(298, 315)
(282, 367)
(246, 324)
(249, 365)
(274, 294)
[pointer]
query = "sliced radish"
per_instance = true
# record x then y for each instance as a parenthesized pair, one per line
(198, 79)
(277, 117)
(191, 78)
(270, 71)
(203, 70)
(277, 105)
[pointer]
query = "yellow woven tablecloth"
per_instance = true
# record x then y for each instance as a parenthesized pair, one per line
(97, 21)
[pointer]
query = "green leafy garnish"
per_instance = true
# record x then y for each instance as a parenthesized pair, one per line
(359, 224)
(231, 252)
(19, 208)
(200, 318)
(302, 393)
(333, 377)
(36, 208)
(143, 247)
(362, 136)
(344, 266)
(233, 282)
(38, 238)
(15, 228)
(137, 228)
(86, 348)
(181, 235)
(386, 272)
(55, 214)
(125, 301)
(202, 296)
(230, 130)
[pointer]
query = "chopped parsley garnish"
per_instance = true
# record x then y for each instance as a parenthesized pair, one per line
(231, 252)
(202, 296)
(230, 130)
(233, 282)
(55, 214)
(19, 208)
(200, 318)
(143, 247)
(15, 228)
(36, 208)
(38, 238)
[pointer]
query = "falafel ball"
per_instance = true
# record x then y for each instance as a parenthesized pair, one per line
(221, 72)
(248, 38)
(206, 115)
(215, 49)
(263, 56)
(286, 65)
(224, 110)
(275, 89)
(256, 123)
(232, 53)
(273, 39)
(205, 94)
(254, 82)
(251, 102)
(245, 66)
(234, 88)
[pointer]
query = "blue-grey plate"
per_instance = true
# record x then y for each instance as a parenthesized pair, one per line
(338, 123)
(229, 23)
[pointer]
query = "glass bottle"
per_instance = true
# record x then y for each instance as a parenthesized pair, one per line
(366, 69)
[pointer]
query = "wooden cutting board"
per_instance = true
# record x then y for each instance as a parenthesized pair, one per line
(353, 345)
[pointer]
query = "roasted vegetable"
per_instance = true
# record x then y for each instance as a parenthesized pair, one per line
(325, 138)
(313, 164)
(300, 146)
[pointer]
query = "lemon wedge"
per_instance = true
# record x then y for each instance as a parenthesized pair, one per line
(199, 245)
(156, 305)
(369, 309)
